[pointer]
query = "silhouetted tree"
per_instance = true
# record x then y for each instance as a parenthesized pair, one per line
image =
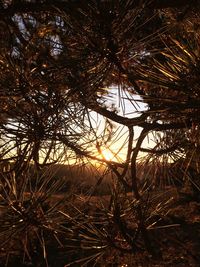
(61, 62)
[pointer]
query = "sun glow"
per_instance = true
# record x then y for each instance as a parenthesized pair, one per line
(108, 155)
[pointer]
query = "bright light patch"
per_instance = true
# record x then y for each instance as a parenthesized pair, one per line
(108, 155)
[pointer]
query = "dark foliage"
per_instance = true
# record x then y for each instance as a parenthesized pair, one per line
(82, 78)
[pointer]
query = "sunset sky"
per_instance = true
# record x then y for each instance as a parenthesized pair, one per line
(129, 106)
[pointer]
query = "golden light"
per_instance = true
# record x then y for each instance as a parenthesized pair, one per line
(108, 155)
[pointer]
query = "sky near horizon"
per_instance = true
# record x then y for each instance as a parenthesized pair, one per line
(127, 105)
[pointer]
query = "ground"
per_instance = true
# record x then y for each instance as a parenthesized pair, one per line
(176, 235)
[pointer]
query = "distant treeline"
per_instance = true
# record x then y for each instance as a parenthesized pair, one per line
(81, 179)
(86, 179)
(96, 180)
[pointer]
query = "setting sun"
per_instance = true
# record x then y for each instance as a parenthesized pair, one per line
(108, 155)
